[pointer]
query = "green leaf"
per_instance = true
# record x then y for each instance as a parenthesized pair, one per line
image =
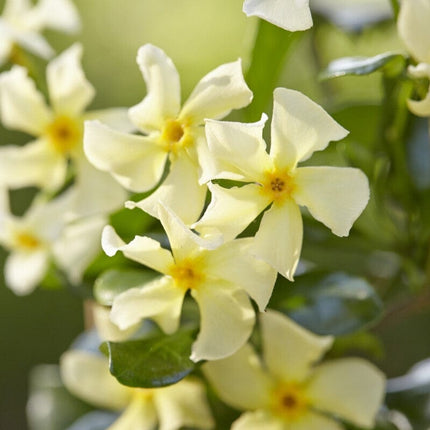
(271, 47)
(113, 282)
(388, 62)
(336, 304)
(149, 363)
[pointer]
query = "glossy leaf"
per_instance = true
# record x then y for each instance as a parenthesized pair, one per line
(155, 362)
(335, 304)
(113, 282)
(363, 65)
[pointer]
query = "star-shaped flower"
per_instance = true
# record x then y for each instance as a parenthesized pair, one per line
(413, 28)
(333, 195)
(292, 15)
(288, 390)
(58, 131)
(22, 22)
(87, 376)
(43, 235)
(218, 279)
(171, 132)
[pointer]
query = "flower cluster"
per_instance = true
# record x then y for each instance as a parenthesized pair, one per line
(231, 207)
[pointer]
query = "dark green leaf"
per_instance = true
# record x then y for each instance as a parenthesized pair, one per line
(363, 65)
(113, 282)
(336, 304)
(148, 363)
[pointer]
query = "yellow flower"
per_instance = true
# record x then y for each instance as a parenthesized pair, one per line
(170, 132)
(289, 390)
(333, 195)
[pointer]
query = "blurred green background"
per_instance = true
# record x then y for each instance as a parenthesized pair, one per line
(199, 35)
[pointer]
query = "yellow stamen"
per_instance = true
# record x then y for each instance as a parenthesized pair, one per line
(279, 185)
(65, 134)
(187, 274)
(27, 241)
(289, 401)
(175, 135)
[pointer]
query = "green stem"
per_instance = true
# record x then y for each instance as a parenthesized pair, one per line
(396, 8)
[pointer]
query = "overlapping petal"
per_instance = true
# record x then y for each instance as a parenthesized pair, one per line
(290, 350)
(139, 414)
(420, 107)
(292, 15)
(258, 420)
(315, 421)
(87, 376)
(69, 90)
(358, 383)
(217, 93)
(137, 162)
(183, 405)
(238, 151)
(144, 250)
(231, 210)
(336, 196)
(22, 106)
(278, 241)
(226, 320)
(163, 97)
(299, 128)
(247, 386)
(161, 300)
(180, 191)
(413, 28)
(234, 263)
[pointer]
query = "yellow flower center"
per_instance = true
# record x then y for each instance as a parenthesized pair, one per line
(65, 134)
(27, 241)
(175, 135)
(278, 185)
(187, 274)
(289, 402)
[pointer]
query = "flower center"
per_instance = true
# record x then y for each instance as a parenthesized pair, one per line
(187, 274)
(65, 134)
(279, 185)
(27, 241)
(175, 136)
(289, 401)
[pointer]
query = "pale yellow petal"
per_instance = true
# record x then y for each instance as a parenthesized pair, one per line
(231, 210)
(180, 191)
(291, 15)
(300, 127)
(259, 420)
(163, 90)
(311, 420)
(351, 388)
(240, 380)
(87, 376)
(161, 300)
(289, 349)
(234, 263)
(142, 249)
(183, 404)
(238, 151)
(279, 239)
(139, 414)
(336, 196)
(24, 270)
(116, 118)
(220, 91)
(34, 164)
(413, 28)
(137, 162)
(226, 320)
(22, 105)
(69, 90)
